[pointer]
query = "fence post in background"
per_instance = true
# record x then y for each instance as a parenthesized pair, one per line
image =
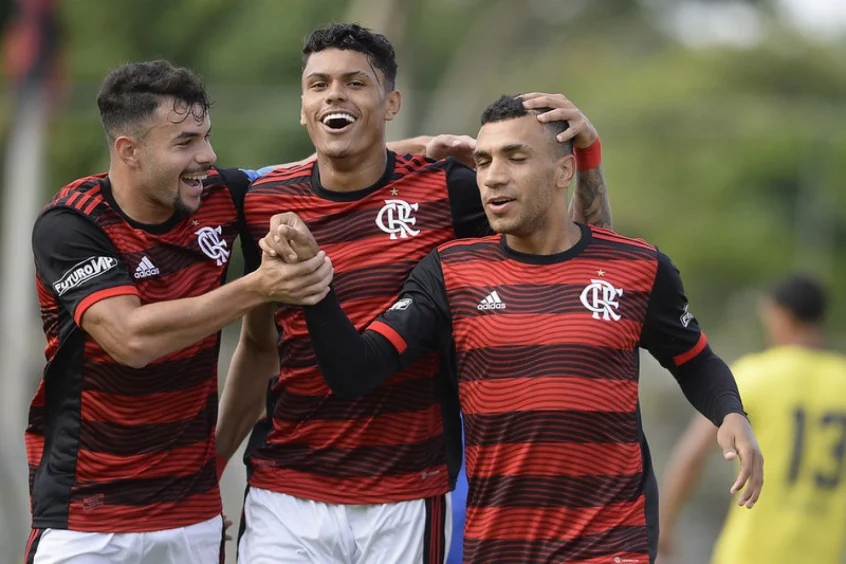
(22, 198)
(31, 54)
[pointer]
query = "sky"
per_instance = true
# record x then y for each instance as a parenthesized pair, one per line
(826, 17)
(703, 23)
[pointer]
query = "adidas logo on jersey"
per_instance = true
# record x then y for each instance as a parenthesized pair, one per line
(146, 269)
(491, 301)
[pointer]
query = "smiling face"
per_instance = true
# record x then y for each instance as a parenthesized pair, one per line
(172, 156)
(345, 104)
(520, 173)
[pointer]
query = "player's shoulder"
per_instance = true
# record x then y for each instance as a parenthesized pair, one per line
(769, 364)
(609, 237)
(276, 177)
(83, 196)
(231, 177)
(408, 164)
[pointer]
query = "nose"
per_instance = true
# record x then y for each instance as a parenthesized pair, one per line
(207, 156)
(495, 175)
(336, 93)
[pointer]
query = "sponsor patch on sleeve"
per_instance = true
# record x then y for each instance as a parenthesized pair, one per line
(82, 272)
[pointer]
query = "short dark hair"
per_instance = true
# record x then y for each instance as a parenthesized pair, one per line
(131, 93)
(802, 296)
(353, 37)
(511, 107)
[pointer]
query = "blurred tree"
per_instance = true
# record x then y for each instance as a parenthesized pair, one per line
(729, 158)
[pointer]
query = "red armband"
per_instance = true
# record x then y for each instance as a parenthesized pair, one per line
(590, 157)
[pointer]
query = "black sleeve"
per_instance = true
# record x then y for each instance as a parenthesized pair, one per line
(352, 363)
(238, 181)
(468, 213)
(672, 335)
(78, 261)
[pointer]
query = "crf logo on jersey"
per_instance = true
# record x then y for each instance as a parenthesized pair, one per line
(212, 245)
(395, 219)
(600, 297)
(83, 272)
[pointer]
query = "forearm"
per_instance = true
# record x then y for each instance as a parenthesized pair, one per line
(156, 330)
(681, 477)
(243, 398)
(684, 469)
(352, 364)
(410, 146)
(709, 386)
(590, 203)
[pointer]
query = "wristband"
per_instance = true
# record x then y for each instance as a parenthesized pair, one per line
(221, 466)
(590, 157)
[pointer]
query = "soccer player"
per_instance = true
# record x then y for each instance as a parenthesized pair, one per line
(541, 327)
(365, 480)
(130, 268)
(795, 392)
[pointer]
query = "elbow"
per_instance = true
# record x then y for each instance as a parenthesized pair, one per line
(129, 350)
(131, 354)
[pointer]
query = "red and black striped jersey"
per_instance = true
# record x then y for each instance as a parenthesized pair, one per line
(113, 448)
(544, 350)
(394, 443)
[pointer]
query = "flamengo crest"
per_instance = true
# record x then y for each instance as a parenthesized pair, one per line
(212, 245)
(395, 219)
(600, 297)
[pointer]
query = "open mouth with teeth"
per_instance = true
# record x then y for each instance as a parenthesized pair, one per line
(338, 120)
(194, 180)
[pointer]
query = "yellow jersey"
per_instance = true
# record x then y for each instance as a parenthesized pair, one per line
(796, 401)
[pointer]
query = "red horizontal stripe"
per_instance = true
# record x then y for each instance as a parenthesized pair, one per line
(95, 297)
(632, 275)
(94, 353)
(379, 251)
(105, 467)
(391, 334)
(547, 394)
(358, 491)
(693, 352)
(144, 410)
(555, 523)
(553, 459)
(34, 448)
(309, 381)
(92, 515)
(502, 329)
(380, 430)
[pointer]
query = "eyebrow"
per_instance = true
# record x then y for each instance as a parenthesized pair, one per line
(513, 148)
(189, 134)
(350, 74)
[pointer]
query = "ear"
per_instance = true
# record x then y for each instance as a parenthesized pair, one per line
(127, 150)
(302, 112)
(393, 104)
(566, 169)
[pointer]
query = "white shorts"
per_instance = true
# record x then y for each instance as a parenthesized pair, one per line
(278, 528)
(195, 544)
